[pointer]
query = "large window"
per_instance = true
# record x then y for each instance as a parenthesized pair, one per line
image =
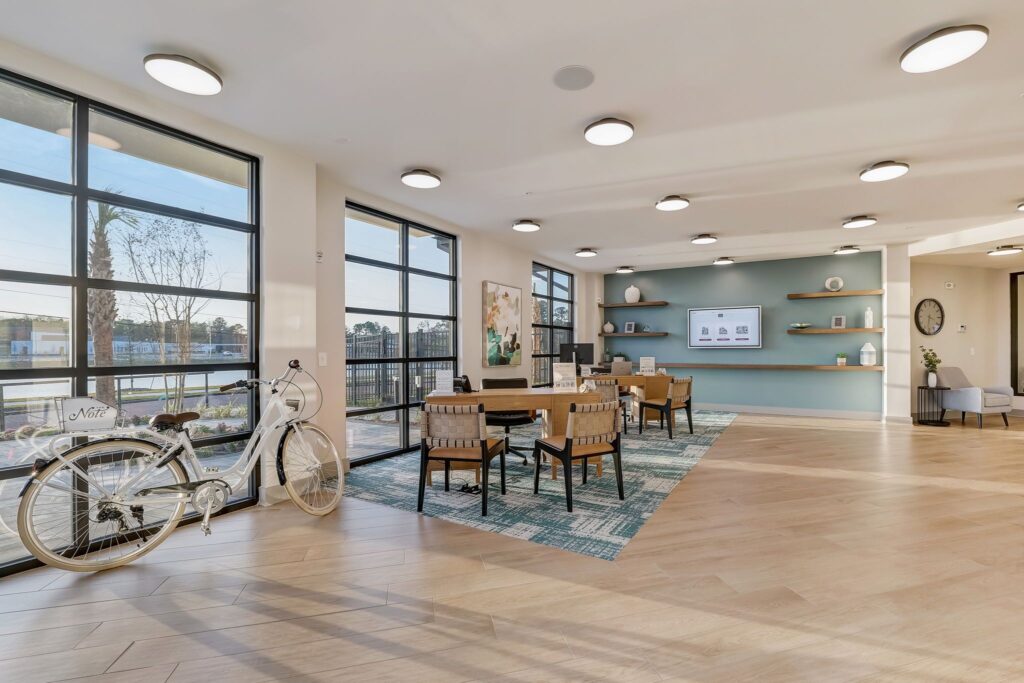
(400, 326)
(127, 273)
(552, 319)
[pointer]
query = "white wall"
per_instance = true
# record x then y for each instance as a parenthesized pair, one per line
(896, 344)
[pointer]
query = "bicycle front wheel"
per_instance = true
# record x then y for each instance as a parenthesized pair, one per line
(313, 474)
(68, 522)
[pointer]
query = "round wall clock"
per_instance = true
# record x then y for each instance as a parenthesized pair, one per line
(929, 316)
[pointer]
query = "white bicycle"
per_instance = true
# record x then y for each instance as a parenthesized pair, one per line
(107, 502)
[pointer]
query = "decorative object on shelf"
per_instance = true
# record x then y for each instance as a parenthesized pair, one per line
(834, 283)
(609, 327)
(620, 359)
(838, 322)
(502, 320)
(868, 354)
(931, 361)
(869, 318)
(645, 328)
(929, 316)
(629, 328)
(607, 355)
(632, 294)
(800, 326)
(840, 358)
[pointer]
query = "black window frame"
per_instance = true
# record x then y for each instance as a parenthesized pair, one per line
(403, 314)
(550, 327)
(79, 372)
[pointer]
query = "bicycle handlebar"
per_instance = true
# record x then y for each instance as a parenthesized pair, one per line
(250, 383)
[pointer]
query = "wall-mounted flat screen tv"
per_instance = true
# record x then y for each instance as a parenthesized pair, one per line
(735, 327)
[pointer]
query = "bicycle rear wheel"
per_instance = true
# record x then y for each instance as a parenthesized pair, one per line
(67, 522)
(313, 474)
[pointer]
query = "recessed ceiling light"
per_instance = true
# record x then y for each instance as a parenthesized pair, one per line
(673, 202)
(526, 225)
(723, 261)
(574, 77)
(944, 48)
(703, 238)
(97, 139)
(585, 252)
(608, 132)
(884, 170)
(184, 74)
(846, 249)
(859, 222)
(421, 179)
(1006, 250)
(625, 269)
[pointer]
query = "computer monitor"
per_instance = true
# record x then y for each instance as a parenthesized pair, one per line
(584, 354)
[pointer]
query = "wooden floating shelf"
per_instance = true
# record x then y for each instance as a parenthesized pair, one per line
(843, 330)
(774, 366)
(633, 334)
(829, 295)
(638, 304)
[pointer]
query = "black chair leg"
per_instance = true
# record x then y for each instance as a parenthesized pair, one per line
(423, 480)
(586, 466)
(502, 461)
(447, 475)
(567, 475)
(536, 470)
(484, 480)
(618, 474)
(942, 415)
(661, 420)
(963, 417)
(671, 418)
(689, 416)
(979, 421)
(1005, 420)
(641, 421)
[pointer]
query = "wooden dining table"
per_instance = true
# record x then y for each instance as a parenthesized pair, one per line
(554, 405)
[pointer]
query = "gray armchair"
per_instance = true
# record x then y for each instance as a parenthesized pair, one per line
(967, 398)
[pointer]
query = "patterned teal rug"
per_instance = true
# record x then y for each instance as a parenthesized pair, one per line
(600, 525)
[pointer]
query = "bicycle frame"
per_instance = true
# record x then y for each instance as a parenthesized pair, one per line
(276, 415)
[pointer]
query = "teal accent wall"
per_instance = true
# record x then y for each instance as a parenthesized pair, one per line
(764, 283)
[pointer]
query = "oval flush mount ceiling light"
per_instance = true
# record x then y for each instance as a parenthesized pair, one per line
(421, 179)
(1006, 250)
(703, 238)
(673, 202)
(526, 225)
(585, 252)
(723, 261)
(184, 74)
(97, 139)
(884, 170)
(944, 48)
(625, 270)
(607, 132)
(846, 249)
(859, 222)
(1020, 207)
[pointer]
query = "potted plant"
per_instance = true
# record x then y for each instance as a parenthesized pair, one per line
(931, 362)
(840, 358)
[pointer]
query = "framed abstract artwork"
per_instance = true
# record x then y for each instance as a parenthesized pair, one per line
(503, 316)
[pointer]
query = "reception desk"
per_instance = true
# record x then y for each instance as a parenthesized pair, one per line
(553, 404)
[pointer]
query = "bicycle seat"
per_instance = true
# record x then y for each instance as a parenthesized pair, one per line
(169, 420)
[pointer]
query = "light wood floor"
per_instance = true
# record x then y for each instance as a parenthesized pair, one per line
(797, 550)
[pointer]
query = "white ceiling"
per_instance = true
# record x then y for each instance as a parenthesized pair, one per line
(761, 112)
(976, 256)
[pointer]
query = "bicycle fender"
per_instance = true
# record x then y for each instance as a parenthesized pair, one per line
(280, 453)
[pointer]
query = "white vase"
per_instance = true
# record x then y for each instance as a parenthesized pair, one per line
(609, 328)
(632, 294)
(933, 380)
(868, 353)
(869, 318)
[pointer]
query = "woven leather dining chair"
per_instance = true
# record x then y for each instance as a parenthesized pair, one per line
(457, 433)
(679, 397)
(592, 430)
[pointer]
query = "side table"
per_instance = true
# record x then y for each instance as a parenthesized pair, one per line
(929, 406)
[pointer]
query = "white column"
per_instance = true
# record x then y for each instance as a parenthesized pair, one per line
(896, 318)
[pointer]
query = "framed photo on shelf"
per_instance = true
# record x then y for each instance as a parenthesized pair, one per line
(839, 322)
(629, 328)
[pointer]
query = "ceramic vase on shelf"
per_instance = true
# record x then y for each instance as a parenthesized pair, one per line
(868, 354)
(608, 328)
(933, 380)
(869, 318)
(632, 294)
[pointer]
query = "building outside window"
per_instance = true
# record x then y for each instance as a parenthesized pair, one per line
(552, 305)
(127, 273)
(400, 327)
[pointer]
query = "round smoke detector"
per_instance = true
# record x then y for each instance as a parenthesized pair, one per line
(573, 77)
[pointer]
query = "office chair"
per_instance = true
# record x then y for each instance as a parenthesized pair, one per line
(509, 418)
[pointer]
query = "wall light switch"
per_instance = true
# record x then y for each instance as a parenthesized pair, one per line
(321, 359)
(972, 350)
